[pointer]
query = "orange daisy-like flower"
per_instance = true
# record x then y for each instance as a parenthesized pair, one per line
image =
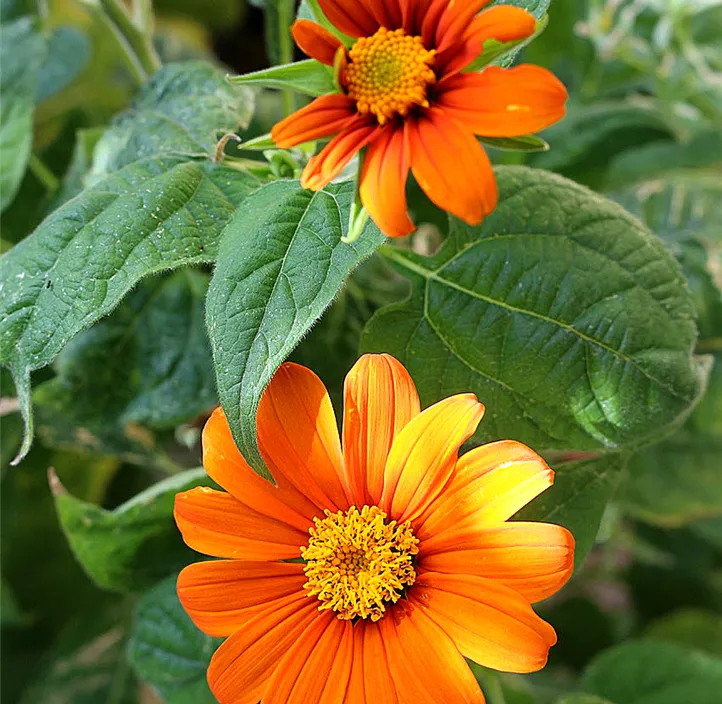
(404, 96)
(375, 566)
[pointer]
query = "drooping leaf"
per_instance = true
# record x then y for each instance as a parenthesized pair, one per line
(281, 264)
(167, 651)
(182, 110)
(153, 215)
(568, 319)
(645, 672)
(577, 499)
(68, 53)
(147, 367)
(22, 48)
(134, 546)
(310, 77)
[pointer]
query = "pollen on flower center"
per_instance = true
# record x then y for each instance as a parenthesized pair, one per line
(356, 562)
(388, 73)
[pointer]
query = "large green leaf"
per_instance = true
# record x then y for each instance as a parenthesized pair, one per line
(577, 500)
(568, 319)
(645, 672)
(182, 110)
(167, 651)
(151, 216)
(148, 366)
(281, 264)
(22, 48)
(134, 546)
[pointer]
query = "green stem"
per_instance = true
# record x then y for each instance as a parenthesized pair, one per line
(43, 173)
(143, 17)
(136, 41)
(285, 10)
(491, 686)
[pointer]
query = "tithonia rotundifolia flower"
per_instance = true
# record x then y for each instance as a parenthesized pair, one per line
(379, 560)
(404, 95)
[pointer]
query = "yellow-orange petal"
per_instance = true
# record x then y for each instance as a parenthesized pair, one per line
(489, 485)
(221, 595)
(331, 160)
(424, 453)
(298, 436)
(502, 23)
(379, 401)
(455, 20)
(534, 559)
(490, 624)
(226, 466)
(214, 523)
(502, 102)
(317, 667)
(426, 665)
(241, 667)
(383, 182)
(356, 691)
(315, 41)
(350, 16)
(451, 166)
(322, 118)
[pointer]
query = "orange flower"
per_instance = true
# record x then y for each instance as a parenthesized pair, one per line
(409, 561)
(404, 96)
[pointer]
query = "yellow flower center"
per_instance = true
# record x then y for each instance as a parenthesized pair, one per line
(356, 562)
(388, 73)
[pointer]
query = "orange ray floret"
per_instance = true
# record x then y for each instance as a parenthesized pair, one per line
(375, 565)
(403, 97)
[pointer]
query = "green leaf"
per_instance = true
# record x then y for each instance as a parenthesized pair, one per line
(134, 546)
(675, 482)
(153, 215)
(691, 627)
(22, 49)
(167, 651)
(504, 53)
(310, 77)
(281, 265)
(528, 143)
(182, 110)
(644, 672)
(578, 498)
(146, 367)
(568, 319)
(583, 699)
(68, 53)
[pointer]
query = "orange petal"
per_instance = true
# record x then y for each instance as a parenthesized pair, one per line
(379, 401)
(350, 16)
(323, 117)
(455, 21)
(503, 23)
(220, 596)
(383, 182)
(241, 667)
(502, 102)
(534, 559)
(426, 665)
(489, 485)
(424, 453)
(317, 667)
(331, 160)
(386, 12)
(225, 465)
(429, 18)
(356, 692)
(298, 436)
(315, 41)
(452, 167)
(378, 682)
(214, 523)
(491, 624)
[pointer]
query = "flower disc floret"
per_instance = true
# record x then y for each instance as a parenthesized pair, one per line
(357, 562)
(388, 73)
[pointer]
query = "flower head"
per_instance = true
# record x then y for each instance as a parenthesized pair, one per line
(376, 564)
(403, 96)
